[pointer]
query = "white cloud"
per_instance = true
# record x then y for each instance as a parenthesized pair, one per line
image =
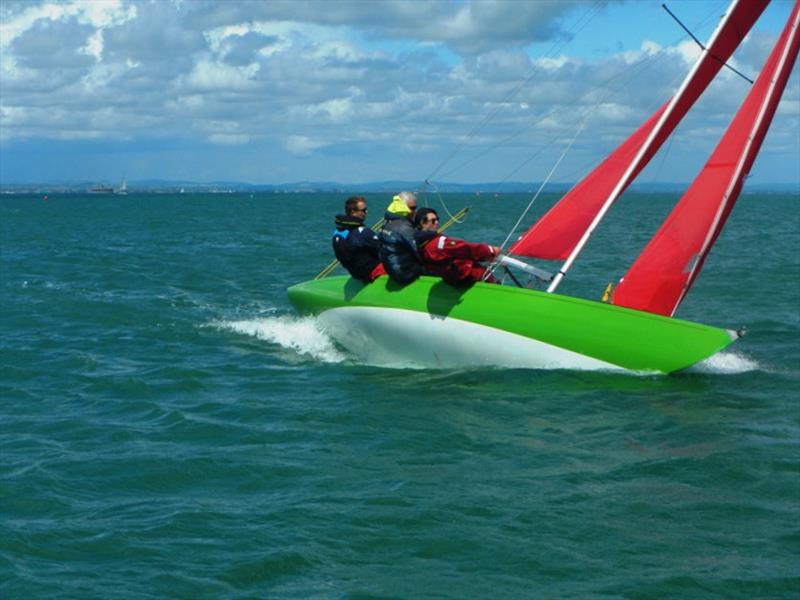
(229, 139)
(336, 110)
(300, 145)
(647, 48)
(94, 45)
(689, 51)
(551, 63)
(87, 12)
(213, 76)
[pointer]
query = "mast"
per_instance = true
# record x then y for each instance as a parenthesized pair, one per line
(668, 266)
(636, 164)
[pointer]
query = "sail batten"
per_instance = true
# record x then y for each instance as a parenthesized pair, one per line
(658, 281)
(565, 228)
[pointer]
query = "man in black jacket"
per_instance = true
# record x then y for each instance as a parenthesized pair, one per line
(355, 245)
(398, 249)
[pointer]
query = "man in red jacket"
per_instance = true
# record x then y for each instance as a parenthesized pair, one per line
(454, 260)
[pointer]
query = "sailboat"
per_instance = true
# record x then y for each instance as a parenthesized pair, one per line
(122, 190)
(431, 323)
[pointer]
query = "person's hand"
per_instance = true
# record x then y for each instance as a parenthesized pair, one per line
(496, 250)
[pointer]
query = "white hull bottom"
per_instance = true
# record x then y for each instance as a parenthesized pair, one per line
(395, 337)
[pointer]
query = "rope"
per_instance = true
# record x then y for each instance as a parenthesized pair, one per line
(441, 200)
(547, 179)
(539, 191)
(455, 218)
(510, 96)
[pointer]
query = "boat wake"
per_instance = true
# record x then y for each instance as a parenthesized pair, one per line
(298, 334)
(726, 363)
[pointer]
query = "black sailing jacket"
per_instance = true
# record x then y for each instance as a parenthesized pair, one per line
(356, 247)
(399, 250)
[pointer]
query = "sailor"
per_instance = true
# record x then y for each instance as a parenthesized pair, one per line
(454, 260)
(398, 249)
(355, 245)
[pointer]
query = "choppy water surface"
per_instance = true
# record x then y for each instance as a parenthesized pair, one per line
(171, 428)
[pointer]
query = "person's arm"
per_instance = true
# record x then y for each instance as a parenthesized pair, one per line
(455, 248)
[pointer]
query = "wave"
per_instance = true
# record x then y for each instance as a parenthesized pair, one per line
(727, 363)
(301, 335)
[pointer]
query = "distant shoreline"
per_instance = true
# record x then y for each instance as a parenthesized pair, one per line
(224, 187)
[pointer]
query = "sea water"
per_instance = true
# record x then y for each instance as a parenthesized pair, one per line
(171, 428)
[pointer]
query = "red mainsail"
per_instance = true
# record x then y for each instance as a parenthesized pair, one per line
(558, 232)
(663, 273)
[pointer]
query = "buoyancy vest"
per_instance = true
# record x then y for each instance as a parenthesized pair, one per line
(356, 247)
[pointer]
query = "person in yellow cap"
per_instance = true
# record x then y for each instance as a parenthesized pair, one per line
(398, 249)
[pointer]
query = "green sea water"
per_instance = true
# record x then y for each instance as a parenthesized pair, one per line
(170, 428)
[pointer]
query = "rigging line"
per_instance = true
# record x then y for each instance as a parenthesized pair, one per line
(503, 142)
(699, 43)
(563, 178)
(444, 205)
(556, 47)
(547, 179)
(608, 90)
(533, 124)
(631, 71)
(516, 170)
(600, 100)
(455, 219)
(667, 151)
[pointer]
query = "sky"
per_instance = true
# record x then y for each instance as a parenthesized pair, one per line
(357, 91)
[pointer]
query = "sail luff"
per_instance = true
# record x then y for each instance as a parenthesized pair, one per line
(558, 232)
(668, 266)
(649, 147)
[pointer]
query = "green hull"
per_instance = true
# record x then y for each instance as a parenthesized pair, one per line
(618, 336)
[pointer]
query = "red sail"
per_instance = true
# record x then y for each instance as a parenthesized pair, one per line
(659, 279)
(557, 233)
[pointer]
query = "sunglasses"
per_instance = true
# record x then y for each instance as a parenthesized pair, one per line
(431, 220)
(364, 209)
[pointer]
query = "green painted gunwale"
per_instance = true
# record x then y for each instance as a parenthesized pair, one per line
(628, 338)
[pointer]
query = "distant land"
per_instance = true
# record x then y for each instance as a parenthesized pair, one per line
(155, 186)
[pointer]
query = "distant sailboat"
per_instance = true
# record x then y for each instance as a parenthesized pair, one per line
(122, 190)
(436, 324)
